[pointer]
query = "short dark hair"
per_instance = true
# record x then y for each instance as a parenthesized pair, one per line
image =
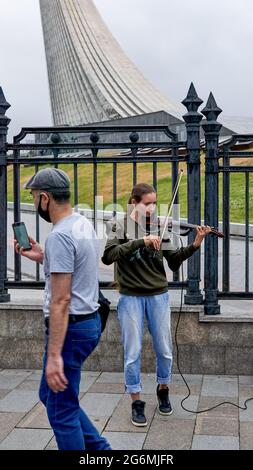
(61, 198)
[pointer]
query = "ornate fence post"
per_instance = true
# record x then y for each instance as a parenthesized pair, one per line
(212, 130)
(4, 122)
(192, 119)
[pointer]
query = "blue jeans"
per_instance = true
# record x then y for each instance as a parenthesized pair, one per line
(132, 311)
(72, 428)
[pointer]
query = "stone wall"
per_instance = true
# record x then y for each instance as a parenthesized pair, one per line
(213, 347)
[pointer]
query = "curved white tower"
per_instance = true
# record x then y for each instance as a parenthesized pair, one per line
(90, 77)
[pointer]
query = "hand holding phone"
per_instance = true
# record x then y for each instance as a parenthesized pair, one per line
(32, 250)
(21, 235)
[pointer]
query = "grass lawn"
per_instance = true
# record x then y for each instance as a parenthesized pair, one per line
(144, 174)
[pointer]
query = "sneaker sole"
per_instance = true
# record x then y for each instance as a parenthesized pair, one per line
(139, 425)
(164, 414)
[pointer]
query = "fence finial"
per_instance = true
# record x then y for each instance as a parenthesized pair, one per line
(3, 103)
(211, 111)
(192, 101)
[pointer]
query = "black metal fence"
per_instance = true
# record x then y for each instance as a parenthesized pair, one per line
(15, 155)
(227, 169)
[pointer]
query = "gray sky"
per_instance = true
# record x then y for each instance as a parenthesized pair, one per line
(172, 43)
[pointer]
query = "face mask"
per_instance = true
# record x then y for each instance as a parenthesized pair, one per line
(149, 223)
(44, 214)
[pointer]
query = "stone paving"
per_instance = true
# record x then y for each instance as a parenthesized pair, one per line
(24, 424)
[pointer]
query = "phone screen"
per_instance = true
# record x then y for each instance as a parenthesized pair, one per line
(22, 236)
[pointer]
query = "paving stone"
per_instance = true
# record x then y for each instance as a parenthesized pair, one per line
(215, 443)
(11, 381)
(226, 386)
(16, 372)
(99, 423)
(19, 400)
(225, 410)
(33, 382)
(29, 385)
(8, 421)
(125, 440)
(246, 379)
(3, 393)
(191, 403)
(36, 419)
(181, 389)
(52, 445)
(87, 379)
(103, 387)
(121, 418)
(35, 375)
(193, 379)
(90, 373)
(100, 404)
(112, 377)
(104, 399)
(246, 390)
(217, 426)
(169, 433)
(26, 439)
(246, 436)
(246, 415)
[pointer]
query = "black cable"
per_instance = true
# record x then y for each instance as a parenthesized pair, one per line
(244, 407)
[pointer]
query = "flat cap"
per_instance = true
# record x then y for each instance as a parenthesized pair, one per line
(49, 179)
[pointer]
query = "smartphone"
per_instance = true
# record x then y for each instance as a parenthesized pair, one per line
(21, 235)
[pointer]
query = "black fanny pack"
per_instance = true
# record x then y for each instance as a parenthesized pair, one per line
(103, 310)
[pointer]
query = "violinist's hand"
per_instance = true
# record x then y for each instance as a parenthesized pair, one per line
(152, 241)
(202, 231)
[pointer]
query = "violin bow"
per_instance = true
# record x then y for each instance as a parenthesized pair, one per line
(170, 205)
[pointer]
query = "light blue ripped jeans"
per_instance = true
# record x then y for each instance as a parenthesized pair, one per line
(132, 311)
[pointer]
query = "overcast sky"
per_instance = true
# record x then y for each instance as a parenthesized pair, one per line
(172, 43)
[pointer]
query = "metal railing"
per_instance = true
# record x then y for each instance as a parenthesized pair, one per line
(94, 139)
(227, 169)
(75, 159)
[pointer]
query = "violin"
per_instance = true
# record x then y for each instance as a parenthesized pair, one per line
(186, 225)
(182, 224)
(154, 226)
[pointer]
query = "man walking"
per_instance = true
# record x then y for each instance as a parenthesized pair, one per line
(73, 326)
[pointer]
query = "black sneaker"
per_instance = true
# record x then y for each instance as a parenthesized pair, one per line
(164, 406)
(138, 417)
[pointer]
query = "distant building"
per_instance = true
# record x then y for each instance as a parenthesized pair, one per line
(92, 81)
(90, 77)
